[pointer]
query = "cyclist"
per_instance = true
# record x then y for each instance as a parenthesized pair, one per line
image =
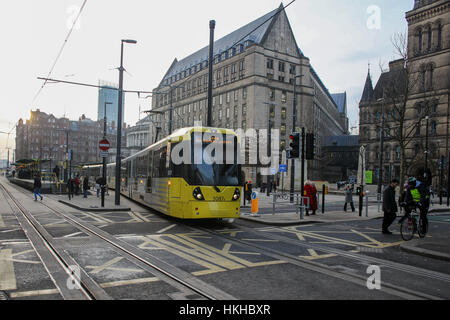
(415, 196)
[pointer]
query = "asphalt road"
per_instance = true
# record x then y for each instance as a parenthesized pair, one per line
(245, 260)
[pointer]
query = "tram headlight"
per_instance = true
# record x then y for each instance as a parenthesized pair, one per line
(198, 194)
(237, 195)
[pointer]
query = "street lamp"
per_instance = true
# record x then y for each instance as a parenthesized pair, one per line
(119, 123)
(269, 147)
(426, 148)
(380, 170)
(104, 158)
(294, 124)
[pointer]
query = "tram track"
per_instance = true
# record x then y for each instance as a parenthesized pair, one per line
(318, 267)
(187, 284)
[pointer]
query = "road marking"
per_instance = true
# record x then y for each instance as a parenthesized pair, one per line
(33, 293)
(166, 229)
(374, 241)
(261, 240)
(7, 275)
(140, 216)
(209, 267)
(313, 255)
(99, 269)
(73, 234)
(128, 282)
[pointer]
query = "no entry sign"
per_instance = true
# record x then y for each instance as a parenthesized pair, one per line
(104, 145)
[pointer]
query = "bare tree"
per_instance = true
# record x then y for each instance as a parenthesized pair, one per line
(398, 86)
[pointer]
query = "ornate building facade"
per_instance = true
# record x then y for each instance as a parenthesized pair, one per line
(254, 77)
(422, 81)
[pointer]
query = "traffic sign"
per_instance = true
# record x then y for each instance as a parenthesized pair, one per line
(283, 168)
(104, 145)
(104, 154)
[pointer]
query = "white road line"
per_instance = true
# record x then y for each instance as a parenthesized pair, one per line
(73, 234)
(7, 275)
(166, 229)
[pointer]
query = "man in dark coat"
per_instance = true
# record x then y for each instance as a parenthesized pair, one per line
(85, 186)
(390, 208)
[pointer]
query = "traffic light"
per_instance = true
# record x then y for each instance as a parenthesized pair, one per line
(310, 146)
(295, 145)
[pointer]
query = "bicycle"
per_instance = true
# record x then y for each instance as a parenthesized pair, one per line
(409, 226)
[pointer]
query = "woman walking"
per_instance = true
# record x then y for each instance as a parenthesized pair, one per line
(349, 198)
(311, 194)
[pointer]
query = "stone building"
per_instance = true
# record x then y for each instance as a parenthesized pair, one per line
(44, 137)
(138, 136)
(254, 76)
(422, 81)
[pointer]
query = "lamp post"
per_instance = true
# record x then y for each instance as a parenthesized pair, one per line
(426, 148)
(294, 124)
(119, 124)
(212, 26)
(104, 159)
(269, 146)
(380, 170)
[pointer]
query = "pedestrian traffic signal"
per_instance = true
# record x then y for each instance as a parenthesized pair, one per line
(295, 145)
(310, 146)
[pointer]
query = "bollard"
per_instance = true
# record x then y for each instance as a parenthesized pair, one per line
(325, 191)
(255, 205)
(367, 203)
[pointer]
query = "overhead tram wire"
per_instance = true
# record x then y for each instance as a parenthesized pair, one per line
(61, 50)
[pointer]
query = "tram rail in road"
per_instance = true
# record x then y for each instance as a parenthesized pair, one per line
(90, 290)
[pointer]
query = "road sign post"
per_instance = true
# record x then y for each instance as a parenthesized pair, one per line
(104, 146)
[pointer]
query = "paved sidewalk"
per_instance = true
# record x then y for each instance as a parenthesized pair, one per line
(91, 203)
(436, 247)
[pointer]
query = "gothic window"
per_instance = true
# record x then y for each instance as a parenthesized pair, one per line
(420, 39)
(433, 127)
(429, 39)
(439, 37)
(397, 153)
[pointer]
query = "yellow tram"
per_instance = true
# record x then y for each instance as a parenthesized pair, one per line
(192, 174)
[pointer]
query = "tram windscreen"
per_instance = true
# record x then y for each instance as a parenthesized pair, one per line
(217, 167)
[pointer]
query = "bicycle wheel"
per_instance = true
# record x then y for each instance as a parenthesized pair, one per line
(408, 228)
(423, 228)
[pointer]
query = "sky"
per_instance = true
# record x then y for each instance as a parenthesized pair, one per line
(340, 37)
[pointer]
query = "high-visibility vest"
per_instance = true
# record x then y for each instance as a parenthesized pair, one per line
(416, 195)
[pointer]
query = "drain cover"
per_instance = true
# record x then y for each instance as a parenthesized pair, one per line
(3, 296)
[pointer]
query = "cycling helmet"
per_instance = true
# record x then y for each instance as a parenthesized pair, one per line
(412, 181)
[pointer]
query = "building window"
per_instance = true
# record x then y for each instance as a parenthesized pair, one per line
(433, 127)
(283, 113)
(280, 78)
(439, 40)
(272, 94)
(270, 64)
(281, 66)
(228, 97)
(244, 125)
(244, 93)
(283, 97)
(293, 69)
(236, 94)
(283, 129)
(272, 111)
(244, 109)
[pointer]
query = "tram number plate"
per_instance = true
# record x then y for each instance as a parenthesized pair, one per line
(219, 199)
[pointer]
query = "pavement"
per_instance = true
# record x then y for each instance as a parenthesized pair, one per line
(91, 203)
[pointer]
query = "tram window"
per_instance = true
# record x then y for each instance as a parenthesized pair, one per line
(162, 163)
(150, 164)
(149, 185)
(156, 155)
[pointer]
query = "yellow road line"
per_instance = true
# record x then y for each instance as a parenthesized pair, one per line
(2, 224)
(7, 275)
(140, 216)
(33, 293)
(99, 269)
(368, 238)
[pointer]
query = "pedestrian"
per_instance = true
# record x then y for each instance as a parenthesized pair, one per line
(56, 172)
(70, 187)
(349, 198)
(310, 200)
(98, 182)
(85, 186)
(77, 183)
(390, 208)
(37, 187)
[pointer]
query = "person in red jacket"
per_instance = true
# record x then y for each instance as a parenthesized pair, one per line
(311, 194)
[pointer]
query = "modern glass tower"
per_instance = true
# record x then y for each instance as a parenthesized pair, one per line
(108, 93)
